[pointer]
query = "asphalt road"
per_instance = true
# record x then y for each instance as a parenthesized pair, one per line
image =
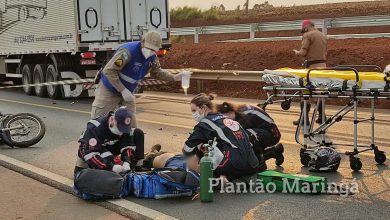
(166, 119)
(25, 198)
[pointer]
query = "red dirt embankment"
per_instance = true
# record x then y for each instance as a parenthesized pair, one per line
(264, 55)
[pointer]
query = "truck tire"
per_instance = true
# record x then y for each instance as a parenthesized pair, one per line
(53, 92)
(39, 76)
(27, 79)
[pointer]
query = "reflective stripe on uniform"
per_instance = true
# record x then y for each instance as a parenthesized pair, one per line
(95, 122)
(106, 154)
(262, 116)
(187, 149)
(219, 131)
(127, 79)
(128, 147)
(90, 155)
(253, 133)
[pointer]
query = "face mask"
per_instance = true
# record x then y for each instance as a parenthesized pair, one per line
(115, 130)
(147, 52)
(197, 116)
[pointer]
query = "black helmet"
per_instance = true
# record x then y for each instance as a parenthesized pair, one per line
(324, 159)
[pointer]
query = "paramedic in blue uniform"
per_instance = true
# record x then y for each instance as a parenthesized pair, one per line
(129, 65)
(108, 136)
(239, 158)
(261, 128)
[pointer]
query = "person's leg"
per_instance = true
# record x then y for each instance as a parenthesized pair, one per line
(105, 101)
(139, 141)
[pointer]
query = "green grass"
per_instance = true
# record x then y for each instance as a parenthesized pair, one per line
(191, 13)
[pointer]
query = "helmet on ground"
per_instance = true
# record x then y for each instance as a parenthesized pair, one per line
(324, 159)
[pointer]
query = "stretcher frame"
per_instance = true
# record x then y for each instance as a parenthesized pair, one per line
(318, 135)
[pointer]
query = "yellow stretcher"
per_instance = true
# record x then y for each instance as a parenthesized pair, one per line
(343, 83)
(326, 78)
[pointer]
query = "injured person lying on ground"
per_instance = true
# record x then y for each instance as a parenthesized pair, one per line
(261, 128)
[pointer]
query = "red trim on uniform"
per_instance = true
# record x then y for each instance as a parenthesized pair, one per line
(227, 157)
(98, 162)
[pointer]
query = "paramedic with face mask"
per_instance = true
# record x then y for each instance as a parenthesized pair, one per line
(239, 158)
(108, 136)
(120, 77)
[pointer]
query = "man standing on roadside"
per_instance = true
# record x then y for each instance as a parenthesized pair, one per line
(314, 51)
(129, 65)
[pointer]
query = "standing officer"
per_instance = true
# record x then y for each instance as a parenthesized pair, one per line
(129, 65)
(314, 51)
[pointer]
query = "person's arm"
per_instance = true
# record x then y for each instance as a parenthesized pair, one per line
(113, 68)
(305, 46)
(91, 151)
(194, 143)
(158, 73)
(132, 147)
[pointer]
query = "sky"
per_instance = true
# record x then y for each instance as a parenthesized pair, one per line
(232, 4)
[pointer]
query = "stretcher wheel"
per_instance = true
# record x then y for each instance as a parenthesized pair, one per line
(305, 158)
(380, 157)
(355, 164)
(286, 105)
(279, 161)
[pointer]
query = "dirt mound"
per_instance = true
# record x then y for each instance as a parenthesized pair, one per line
(294, 13)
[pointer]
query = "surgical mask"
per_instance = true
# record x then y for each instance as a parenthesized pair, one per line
(197, 116)
(115, 130)
(147, 52)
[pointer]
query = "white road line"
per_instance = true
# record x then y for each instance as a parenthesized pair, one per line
(123, 203)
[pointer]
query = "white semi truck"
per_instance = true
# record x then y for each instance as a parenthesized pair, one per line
(53, 40)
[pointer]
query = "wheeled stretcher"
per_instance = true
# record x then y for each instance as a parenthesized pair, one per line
(342, 82)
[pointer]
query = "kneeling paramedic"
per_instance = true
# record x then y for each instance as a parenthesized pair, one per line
(264, 134)
(239, 158)
(108, 136)
(121, 75)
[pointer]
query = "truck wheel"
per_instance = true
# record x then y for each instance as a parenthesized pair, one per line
(23, 13)
(27, 79)
(54, 92)
(39, 76)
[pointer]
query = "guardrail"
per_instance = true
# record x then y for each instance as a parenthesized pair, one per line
(226, 75)
(324, 24)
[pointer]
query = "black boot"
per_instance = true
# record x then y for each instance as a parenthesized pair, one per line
(275, 152)
(262, 164)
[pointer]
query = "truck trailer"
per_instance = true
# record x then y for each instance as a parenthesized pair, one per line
(54, 40)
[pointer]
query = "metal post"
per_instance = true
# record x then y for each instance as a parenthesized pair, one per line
(199, 84)
(325, 26)
(355, 124)
(196, 36)
(373, 122)
(305, 128)
(253, 29)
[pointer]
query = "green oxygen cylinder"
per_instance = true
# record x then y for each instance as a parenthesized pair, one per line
(206, 172)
